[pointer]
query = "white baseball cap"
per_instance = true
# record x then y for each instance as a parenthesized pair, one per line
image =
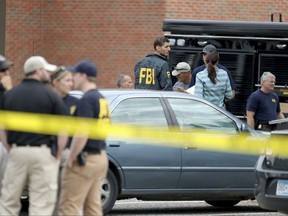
(181, 67)
(38, 62)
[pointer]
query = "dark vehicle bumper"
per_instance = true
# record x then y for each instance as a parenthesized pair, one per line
(267, 177)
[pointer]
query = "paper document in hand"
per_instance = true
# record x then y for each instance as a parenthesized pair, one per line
(278, 121)
(191, 90)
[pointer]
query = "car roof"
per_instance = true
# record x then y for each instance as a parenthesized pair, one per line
(116, 92)
(112, 94)
(116, 95)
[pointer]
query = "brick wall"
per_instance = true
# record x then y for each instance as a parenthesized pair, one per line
(115, 34)
(23, 33)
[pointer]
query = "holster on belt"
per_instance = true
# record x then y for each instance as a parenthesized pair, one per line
(54, 149)
(265, 127)
(81, 159)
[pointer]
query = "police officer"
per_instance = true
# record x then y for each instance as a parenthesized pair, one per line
(87, 163)
(30, 160)
(62, 83)
(152, 72)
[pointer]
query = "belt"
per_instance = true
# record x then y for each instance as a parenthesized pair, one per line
(92, 152)
(265, 127)
(29, 145)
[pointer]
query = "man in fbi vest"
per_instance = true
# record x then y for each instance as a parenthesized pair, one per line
(152, 72)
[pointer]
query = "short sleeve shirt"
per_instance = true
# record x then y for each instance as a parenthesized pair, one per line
(70, 104)
(93, 105)
(34, 97)
(265, 106)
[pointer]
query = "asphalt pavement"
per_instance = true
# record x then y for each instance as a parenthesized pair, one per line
(168, 208)
(134, 207)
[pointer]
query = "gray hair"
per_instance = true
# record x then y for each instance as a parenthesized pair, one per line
(120, 79)
(265, 76)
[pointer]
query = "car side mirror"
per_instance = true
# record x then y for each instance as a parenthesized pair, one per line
(244, 128)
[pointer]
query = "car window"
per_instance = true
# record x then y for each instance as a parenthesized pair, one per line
(192, 114)
(140, 111)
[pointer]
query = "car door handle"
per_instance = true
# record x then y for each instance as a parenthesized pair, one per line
(190, 147)
(115, 144)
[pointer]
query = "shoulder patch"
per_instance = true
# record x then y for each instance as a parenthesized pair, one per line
(168, 74)
(72, 109)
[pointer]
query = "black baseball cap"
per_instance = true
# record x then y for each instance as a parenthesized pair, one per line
(85, 67)
(4, 64)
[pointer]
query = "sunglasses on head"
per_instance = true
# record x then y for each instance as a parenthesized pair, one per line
(58, 72)
(60, 69)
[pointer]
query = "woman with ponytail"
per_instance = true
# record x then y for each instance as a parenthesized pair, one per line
(213, 84)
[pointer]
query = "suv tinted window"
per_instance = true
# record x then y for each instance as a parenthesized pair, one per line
(192, 114)
(140, 111)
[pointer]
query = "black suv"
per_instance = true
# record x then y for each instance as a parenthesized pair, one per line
(271, 189)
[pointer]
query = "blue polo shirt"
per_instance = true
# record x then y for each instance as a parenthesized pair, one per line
(70, 104)
(93, 105)
(265, 106)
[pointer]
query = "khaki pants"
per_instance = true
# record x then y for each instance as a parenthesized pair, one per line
(64, 158)
(36, 167)
(3, 163)
(81, 186)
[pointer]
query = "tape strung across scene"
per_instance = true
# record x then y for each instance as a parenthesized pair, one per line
(173, 137)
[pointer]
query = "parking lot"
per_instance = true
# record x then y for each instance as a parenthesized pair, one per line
(148, 208)
(181, 208)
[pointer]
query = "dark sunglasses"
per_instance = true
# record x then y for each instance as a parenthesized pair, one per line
(3, 70)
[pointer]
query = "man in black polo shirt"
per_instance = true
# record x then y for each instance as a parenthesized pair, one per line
(30, 160)
(81, 183)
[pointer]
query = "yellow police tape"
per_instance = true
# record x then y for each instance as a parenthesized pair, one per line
(173, 137)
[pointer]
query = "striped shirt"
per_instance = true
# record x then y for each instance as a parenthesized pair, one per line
(214, 93)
